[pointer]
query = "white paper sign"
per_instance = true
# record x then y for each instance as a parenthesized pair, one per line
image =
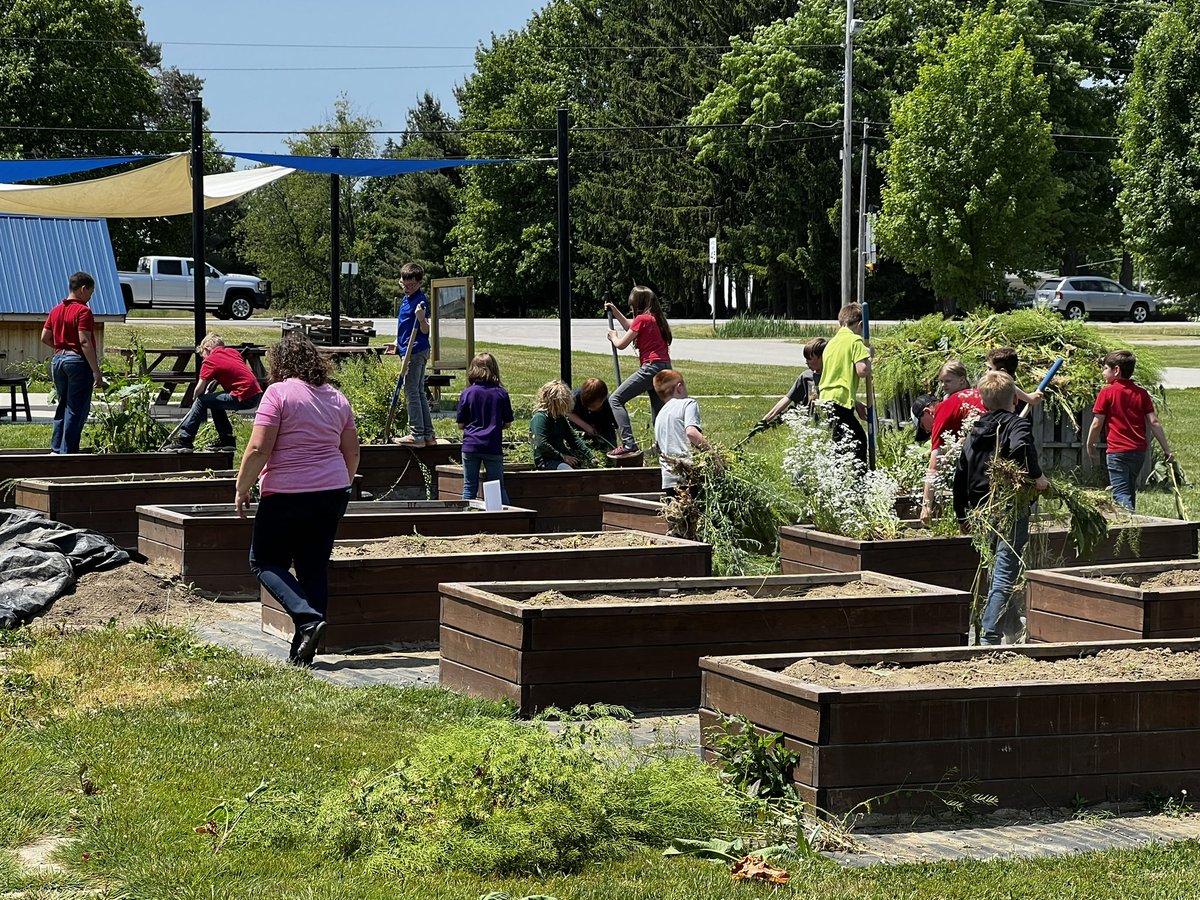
(492, 500)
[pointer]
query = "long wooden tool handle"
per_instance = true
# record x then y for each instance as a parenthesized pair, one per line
(1044, 382)
(616, 357)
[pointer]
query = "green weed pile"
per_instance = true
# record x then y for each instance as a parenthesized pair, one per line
(907, 359)
(508, 798)
(736, 503)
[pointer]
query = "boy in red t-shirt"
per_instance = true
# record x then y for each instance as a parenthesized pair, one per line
(226, 367)
(1128, 411)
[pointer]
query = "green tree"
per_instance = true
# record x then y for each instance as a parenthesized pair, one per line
(1159, 165)
(506, 233)
(969, 193)
(408, 217)
(285, 230)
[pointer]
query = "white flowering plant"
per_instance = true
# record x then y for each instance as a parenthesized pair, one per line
(837, 493)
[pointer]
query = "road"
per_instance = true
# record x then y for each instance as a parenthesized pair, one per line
(589, 335)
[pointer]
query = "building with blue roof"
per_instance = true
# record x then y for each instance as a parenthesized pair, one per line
(38, 255)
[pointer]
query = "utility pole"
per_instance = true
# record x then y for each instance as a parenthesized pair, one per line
(335, 254)
(199, 269)
(862, 218)
(853, 26)
(564, 249)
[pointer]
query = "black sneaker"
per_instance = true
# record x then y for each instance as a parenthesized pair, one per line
(306, 647)
(220, 445)
(178, 446)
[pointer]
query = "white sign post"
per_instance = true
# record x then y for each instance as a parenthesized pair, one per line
(712, 259)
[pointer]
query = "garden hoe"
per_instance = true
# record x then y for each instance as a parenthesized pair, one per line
(759, 428)
(632, 459)
(396, 395)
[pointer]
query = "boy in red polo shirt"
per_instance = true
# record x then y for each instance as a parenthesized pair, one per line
(74, 367)
(226, 367)
(1128, 412)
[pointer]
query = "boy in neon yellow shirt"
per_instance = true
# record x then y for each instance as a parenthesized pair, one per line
(845, 361)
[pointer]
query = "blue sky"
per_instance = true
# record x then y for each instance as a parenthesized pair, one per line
(382, 55)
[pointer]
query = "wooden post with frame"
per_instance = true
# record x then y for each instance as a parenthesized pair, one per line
(452, 303)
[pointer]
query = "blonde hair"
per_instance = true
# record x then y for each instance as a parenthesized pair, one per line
(484, 370)
(553, 398)
(997, 390)
(212, 339)
(957, 369)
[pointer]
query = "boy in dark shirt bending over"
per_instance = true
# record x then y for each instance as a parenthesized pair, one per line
(998, 431)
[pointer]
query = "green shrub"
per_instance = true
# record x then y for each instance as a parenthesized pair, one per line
(368, 385)
(512, 798)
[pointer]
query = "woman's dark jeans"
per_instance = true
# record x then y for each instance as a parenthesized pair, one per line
(297, 531)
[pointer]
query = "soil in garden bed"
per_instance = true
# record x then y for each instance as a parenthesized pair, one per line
(849, 589)
(1157, 664)
(415, 545)
(129, 595)
(1176, 578)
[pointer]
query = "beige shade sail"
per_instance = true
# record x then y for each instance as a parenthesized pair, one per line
(159, 189)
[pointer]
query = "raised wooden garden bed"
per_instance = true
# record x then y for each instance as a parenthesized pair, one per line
(208, 546)
(638, 642)
(44, 464)
(633, 512)
(399, 472)
(565, 501)
(1092, 603)
(386, 599)
(952, 561)
(1112, 735)
(108, 503)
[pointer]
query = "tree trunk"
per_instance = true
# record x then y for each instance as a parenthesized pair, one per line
(1126, 270)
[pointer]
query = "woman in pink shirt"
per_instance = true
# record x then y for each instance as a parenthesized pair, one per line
(305, 447)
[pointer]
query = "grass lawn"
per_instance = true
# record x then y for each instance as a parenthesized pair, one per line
(124, 742)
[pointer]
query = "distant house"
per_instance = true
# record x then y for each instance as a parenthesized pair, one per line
(38, 256)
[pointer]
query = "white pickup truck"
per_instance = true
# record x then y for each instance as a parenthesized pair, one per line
(165, 282)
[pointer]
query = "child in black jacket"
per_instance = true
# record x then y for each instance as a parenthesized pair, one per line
(998, 431)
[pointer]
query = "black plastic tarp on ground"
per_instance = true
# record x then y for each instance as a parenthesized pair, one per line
(40, 560)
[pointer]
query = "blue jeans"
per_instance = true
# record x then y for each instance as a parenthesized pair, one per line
(493, 469)
(641, 381)
(1001, 616)
(1123, 470)
(215, 403)
(420, 422)
(73, 382)
(297, 531)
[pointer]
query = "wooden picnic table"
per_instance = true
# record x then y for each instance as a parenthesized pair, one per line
(173, 366)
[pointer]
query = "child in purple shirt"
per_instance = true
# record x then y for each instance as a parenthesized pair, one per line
(484, 411)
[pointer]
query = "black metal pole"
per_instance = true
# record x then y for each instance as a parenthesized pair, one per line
(564, 252)
(199, 269)
(335, 253)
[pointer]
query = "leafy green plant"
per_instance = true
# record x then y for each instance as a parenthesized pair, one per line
(122, 418)
(368, 384)
(735, 503)
(506, 797)
(1160, 804)
(757, 764)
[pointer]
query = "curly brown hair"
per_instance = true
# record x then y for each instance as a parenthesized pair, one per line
(295, 356)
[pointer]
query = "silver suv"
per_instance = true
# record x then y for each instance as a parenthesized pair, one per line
(1081, 295)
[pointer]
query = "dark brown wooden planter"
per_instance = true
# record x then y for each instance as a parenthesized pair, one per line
(565, 501)
(208, 546)
(108, 503)
(1032, 744)
(381, 601)
(633, 512)
(952, 561)
(44, 464)
(644, 652)
(398, 472)
(1076, 605)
